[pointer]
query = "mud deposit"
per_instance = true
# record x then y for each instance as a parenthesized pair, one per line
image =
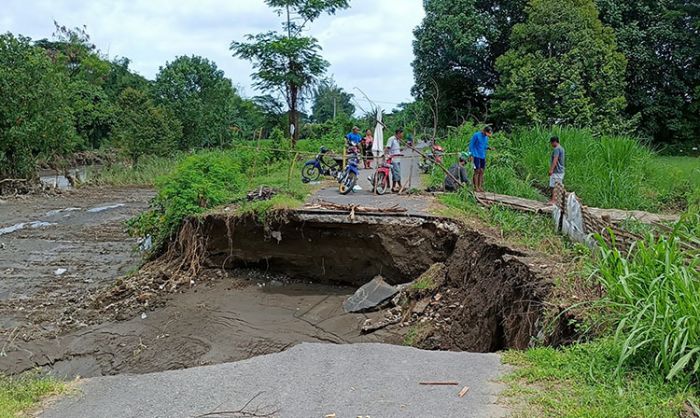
(226, 319)
(57, 249)
(230, 288)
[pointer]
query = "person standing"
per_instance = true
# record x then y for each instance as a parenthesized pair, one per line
(458, 173)
(367, 142)
(557, 165)
(478, 146)
(393, 150)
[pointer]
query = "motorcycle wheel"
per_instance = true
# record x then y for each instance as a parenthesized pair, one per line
(310, 172)
(348, 183)
(382, 184)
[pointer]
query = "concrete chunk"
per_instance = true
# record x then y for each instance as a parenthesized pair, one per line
(369, 296)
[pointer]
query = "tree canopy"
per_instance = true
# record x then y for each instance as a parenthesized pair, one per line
(329, 101)
(195, 90)
(563, 68)
(661, 40)
(35, 114)
(288, 62)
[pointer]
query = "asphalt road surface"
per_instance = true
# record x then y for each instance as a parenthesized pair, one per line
(309, 380)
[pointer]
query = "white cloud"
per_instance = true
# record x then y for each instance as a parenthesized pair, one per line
(368, 45)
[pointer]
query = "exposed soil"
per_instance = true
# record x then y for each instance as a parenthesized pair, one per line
(226, 318)
(80, 231)
(328, 248)
(196, 306)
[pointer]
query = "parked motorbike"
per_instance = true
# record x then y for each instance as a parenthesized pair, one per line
(380, 179)
(433, 156)
(314, 169)
(347, 178)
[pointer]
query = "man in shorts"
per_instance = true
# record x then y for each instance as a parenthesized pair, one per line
(393, 150)
(557, 167)
(478, 146)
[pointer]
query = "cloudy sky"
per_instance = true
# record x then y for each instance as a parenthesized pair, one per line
(368, 45)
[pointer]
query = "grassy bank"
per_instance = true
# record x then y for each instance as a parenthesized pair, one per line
(607, 171)
(17, 394)
(579, 381)
(209, 179)
(123, 173)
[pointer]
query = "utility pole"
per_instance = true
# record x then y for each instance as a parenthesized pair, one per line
(334, 107)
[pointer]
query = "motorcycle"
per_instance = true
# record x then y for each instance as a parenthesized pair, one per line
(434, 156)
(380, 179)
(313, 169)
(347, 178)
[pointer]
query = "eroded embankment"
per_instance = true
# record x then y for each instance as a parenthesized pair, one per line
(190, 307)
(329, 248)
(490, 298)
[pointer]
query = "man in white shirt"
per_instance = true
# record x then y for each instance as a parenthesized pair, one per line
(393, 150)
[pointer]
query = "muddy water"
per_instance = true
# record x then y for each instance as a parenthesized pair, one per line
(226, 320)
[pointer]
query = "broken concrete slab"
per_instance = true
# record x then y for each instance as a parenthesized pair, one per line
(369, 296)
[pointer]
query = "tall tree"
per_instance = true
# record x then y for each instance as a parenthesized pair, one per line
(35, 115)
(73, 51)
(563, 68)
(330, 100)
(661, 40)
(288, 62)
(199, 95)
(455, 50)
(144, 128)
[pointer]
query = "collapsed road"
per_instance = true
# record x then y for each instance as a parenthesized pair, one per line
(232, 287)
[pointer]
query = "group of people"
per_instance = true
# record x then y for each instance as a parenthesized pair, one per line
(392, 150)
(364, 143)
(479, 145)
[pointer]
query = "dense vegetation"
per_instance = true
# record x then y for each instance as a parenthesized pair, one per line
(471, 53)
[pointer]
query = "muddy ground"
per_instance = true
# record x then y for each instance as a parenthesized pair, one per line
(52, 321)
(56, 249)
(70, 305)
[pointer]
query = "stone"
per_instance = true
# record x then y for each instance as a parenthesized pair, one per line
(369, 296)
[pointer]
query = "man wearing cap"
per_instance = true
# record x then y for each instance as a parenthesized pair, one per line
(478, 146)
(354, 138)
(457, 174)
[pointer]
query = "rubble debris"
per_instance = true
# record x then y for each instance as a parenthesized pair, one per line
(369, 296)
(262, 193)
(59, 272)
(391, 317)
(322, 204)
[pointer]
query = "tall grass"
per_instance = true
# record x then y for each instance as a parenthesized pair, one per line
(122, 173)
(608, 171)
(653, 300)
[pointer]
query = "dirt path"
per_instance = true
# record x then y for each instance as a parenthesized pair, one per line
(55, 250)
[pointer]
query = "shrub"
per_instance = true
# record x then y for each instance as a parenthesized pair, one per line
(199, 182)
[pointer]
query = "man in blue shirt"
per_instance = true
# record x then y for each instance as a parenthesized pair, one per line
(354, 138)
(478, 146)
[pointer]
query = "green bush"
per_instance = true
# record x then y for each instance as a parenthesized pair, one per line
(200, 182)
